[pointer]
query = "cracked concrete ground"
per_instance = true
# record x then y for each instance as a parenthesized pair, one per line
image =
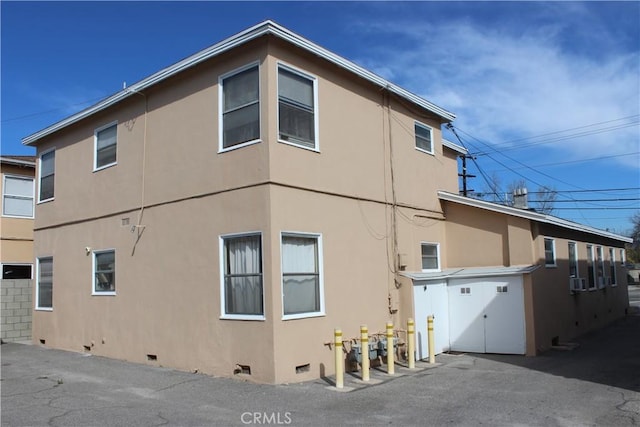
(596, 384)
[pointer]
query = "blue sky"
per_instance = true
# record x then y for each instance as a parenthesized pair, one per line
(544, 92)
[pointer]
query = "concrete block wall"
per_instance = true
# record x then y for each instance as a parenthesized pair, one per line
(15, 309)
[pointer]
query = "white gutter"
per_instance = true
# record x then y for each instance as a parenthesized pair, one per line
(10, 161)
(530, 215)
(455, 147)
(264, 28)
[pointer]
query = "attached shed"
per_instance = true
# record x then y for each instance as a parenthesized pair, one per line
(479, 310)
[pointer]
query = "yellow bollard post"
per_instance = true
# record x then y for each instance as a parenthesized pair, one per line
(337, 341)
(411, 343)
(364, 346)
(390, 353)
(432, 345)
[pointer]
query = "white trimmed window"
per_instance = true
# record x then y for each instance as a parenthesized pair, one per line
(47, 173)
(430, 256)
(302, 287)
(612, 267)
(242, 295)
(591, 267)
(297, 107)
(240, 108)
(602, 281)
(17, 196)
(44, 283)
(549, 252)
(573, 260)
(424, 138)
(105, 146)
(17, 271)
(104, 272)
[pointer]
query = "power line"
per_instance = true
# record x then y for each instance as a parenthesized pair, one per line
(579, 161)
(587, 191)
(587, 200)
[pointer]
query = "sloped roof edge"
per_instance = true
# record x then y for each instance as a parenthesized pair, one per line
(531, 215)
(468, 272)
(261, 29)
(455, 147)
(17, 160)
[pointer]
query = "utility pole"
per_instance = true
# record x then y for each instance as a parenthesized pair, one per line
(465, 175)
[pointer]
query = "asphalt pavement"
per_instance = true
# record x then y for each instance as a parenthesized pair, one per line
(595, 384)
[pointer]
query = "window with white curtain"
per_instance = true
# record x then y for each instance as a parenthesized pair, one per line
(302, 291)
(106, 145)
(44, 284)
(240, 106)
(424, 138)
(17, 196)
(242, 288)
(296, 108)
(47, 173)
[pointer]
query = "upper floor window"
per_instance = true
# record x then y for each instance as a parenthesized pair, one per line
(17, 196)
(241, 268)
(424, 138)
(549, 252)
(602, 281)
(104, 272)
(297, 121)
(106, 144)
(430, 257)
(302, 293)
(44, 284)
(240, 107)
(47, 172)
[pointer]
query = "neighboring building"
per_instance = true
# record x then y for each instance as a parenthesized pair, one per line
(16, 245)
(228, 212)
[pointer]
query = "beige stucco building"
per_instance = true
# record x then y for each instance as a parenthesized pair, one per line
(17, 174)
(227, 213)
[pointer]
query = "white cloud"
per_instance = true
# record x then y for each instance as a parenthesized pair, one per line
(506, 83)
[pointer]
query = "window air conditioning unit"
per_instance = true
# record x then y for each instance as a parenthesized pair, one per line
(577, 284)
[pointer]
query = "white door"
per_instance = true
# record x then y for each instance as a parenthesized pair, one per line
(430, 299)
(487, 315)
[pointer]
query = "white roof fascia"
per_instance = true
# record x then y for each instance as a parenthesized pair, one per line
(17, 162)
(455, 147)
(266, 27)
(531, 215)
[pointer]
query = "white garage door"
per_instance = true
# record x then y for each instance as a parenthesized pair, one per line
(431, 299)
(486, 315)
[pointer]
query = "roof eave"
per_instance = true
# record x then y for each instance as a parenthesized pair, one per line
(17, 162)
(264, 28)
(533, 216)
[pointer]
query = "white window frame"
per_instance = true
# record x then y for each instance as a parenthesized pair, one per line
(552, 264)
(94, 254)
(221, 79)
(37, 296)
(40, 175)
(15, 263)
(221, 253)
(592, 260)
(316, 127)
(437, 245)
(612, 267)
(17, 196)
(577, 259)
(425, 127)
(95, 147)
(623, 257)
(320, 261)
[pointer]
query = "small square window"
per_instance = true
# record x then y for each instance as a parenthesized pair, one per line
(430, 257)
(104, 272)
(424, 138)
(465, 291)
